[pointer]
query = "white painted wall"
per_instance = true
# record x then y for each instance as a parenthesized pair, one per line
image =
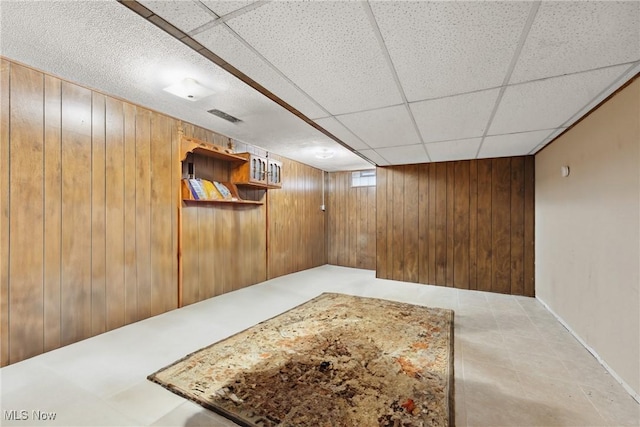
(588, 232)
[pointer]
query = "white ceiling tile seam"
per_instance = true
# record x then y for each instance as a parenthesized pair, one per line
(610, 88)
(222, 19)
(353, 133)
(514, 60)
(376, 30)
(274, 68)
(590, 106)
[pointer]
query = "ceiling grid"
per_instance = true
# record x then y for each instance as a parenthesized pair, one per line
(394, 82)
(507, 78)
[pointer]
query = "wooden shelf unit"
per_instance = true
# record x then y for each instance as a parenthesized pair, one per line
(188, 197)
(195, 146)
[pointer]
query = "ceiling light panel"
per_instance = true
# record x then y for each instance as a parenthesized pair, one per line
(220, 40)
(567, 37)
(515, 144)
(328, 49)
(547, 104)
(406, 154)
(384, 127)
(456, 46)
(454, 117)
(186, 15)
(339, 131)
(453, 150)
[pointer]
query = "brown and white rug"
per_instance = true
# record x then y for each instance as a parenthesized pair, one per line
(336, 360)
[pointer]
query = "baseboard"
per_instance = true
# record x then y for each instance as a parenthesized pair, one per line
(613, 373)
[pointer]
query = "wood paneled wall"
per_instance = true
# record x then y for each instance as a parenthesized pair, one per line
(464, 224)
(223, 246)
(88, 220)
(352, 223)
(296, 224)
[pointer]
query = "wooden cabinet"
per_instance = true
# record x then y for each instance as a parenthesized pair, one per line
(258, 172)
(274, 173)
(251, 173)
(247, 169)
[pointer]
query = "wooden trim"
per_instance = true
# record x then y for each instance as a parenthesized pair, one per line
(187, 40)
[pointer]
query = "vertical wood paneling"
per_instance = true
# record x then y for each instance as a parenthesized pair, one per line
(473, 224)
(5, 70)
(474, 227)
(529, 238)
(206, 248)
(485, 242)
(352, 223)
(398, 248)
(116, 305)
(433, 220)
(389, 225)
(190, 256)
(162, 255)
(517, 226)
(352, 220)
(460, 233)
(52, 189)
(423, 223)
(340, 218)
(98, 208)
(76, 213)
(381, 223)
(130, 273)
(71, 201)
(450, 238)
(291, 211)
(501, 225)
(411, 224)
(143, 212)
(26, 262)
(441, 223)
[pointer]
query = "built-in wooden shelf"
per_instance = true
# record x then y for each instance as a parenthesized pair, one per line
(196, 146)
(221, 202)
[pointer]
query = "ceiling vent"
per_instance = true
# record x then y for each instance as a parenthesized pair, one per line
(225, 116)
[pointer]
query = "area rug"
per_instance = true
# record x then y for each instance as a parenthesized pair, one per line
(336, 360)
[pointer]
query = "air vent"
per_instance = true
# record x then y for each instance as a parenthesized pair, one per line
(223, 115)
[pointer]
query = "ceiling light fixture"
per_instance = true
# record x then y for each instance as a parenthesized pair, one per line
(324, 153)
(189, 89)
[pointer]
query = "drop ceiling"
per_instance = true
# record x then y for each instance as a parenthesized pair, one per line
(393, 82)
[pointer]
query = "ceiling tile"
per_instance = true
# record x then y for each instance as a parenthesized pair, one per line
(186, 15)
(225, 7)
(375, 157)
(225, 44)
(455, 117)
(384, 127)
(327, 48)
(406, 154)
(547, 104)
(304, 147)
(453, 150)
(514, 144)
(345, 135)
(456, 46)
(571, 36)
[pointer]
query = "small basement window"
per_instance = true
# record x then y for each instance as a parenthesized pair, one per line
(363, 178)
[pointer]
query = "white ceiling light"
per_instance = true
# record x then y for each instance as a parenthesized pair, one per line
(324, 153)
(189, 89)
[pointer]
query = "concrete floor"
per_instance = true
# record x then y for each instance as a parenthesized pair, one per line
(516, 365)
